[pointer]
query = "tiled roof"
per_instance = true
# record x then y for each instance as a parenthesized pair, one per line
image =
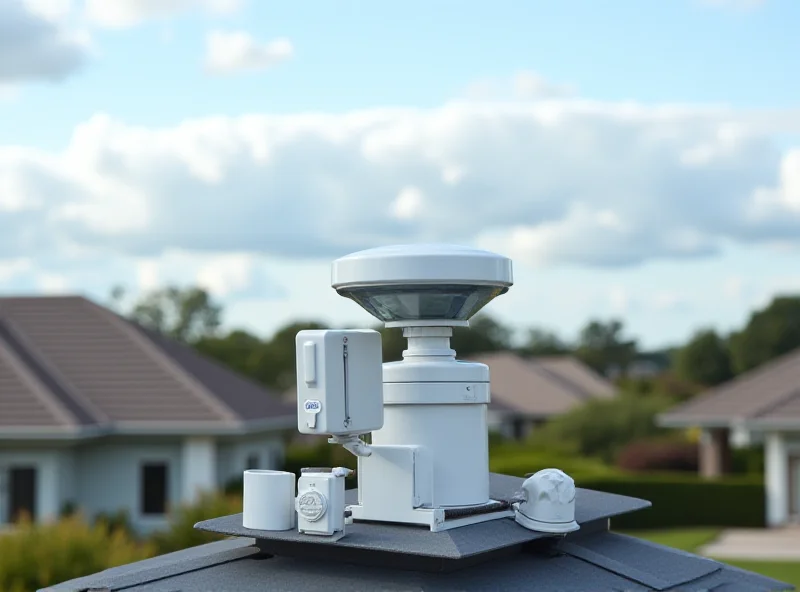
(767, 393)
(541, 387)
(67, 362)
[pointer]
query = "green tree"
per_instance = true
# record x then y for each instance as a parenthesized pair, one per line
(705, 359)
(183, 314)
(603, 346)
(116, 297)
(769, 333)
(484, 334)
(540, 342)
(238, 350)
(277, 365)
(602, 427)
(393, 343)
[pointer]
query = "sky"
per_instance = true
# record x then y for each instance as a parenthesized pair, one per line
(637, 159)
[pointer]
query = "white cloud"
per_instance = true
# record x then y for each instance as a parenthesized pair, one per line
(554, 182)
(772, 287)
(52, 10)
(525, 85)
(452, 175)
(785, 195)
(148, 276)
(35, 44)
(11, 268)
(733, 288)
(530, 85)
(409, 203)
(669, 301)
(235, 51)
(240, 275)
(620, 300)
(119, 14)
(52, 283)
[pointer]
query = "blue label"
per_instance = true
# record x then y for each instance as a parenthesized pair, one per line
(312, 406)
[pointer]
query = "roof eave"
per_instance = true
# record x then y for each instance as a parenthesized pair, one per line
(774, 424)
(688, 421)
(150, 428)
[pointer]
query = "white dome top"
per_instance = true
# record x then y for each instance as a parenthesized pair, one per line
(422, 264)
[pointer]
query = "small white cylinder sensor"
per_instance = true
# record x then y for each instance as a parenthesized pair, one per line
(269, 500)
(548, 503)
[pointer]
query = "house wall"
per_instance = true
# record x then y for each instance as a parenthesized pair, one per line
(199, 467)
(498, 422)
(776, 478)
(50, 490)
(103, 476)
(108, 477)
(232, 456)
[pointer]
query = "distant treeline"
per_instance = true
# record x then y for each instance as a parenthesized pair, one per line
(190, 315)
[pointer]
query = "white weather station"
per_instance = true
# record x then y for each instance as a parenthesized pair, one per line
(418, 426)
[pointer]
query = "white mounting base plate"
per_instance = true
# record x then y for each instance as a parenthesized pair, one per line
(434, 518)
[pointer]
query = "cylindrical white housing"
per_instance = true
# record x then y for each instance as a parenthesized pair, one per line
(440, 404)
(457, 441)
(269, 500)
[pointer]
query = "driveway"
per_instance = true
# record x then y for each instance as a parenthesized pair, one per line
(776, 544)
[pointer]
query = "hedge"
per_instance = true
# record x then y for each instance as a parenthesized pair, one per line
(33, 556)
(681, 501)
(509, 461)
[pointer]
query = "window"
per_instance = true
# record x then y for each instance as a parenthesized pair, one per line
(252, 461)
(154, 488)
(21, 493)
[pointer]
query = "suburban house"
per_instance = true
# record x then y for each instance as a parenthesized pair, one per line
(760, 406)
(102, 415)
(526, 392)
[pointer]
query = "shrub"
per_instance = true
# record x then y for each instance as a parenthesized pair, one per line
(748, 461)
(518, 461)
(119, 520)
(658, 455)
(33, 556)
(602, 427)
(680, 501)
(181, 534)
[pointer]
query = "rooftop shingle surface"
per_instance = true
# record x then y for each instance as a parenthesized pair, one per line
(594, 563)
(770, 391)
(589, 560)
(76, 363)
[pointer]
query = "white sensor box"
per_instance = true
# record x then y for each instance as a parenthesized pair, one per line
(339, 382)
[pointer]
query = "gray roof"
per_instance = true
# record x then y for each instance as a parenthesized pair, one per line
(766, 396)
(69, 367)
(543, 386)
(509, 558)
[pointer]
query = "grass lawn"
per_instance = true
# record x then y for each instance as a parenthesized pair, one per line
(690, 539)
